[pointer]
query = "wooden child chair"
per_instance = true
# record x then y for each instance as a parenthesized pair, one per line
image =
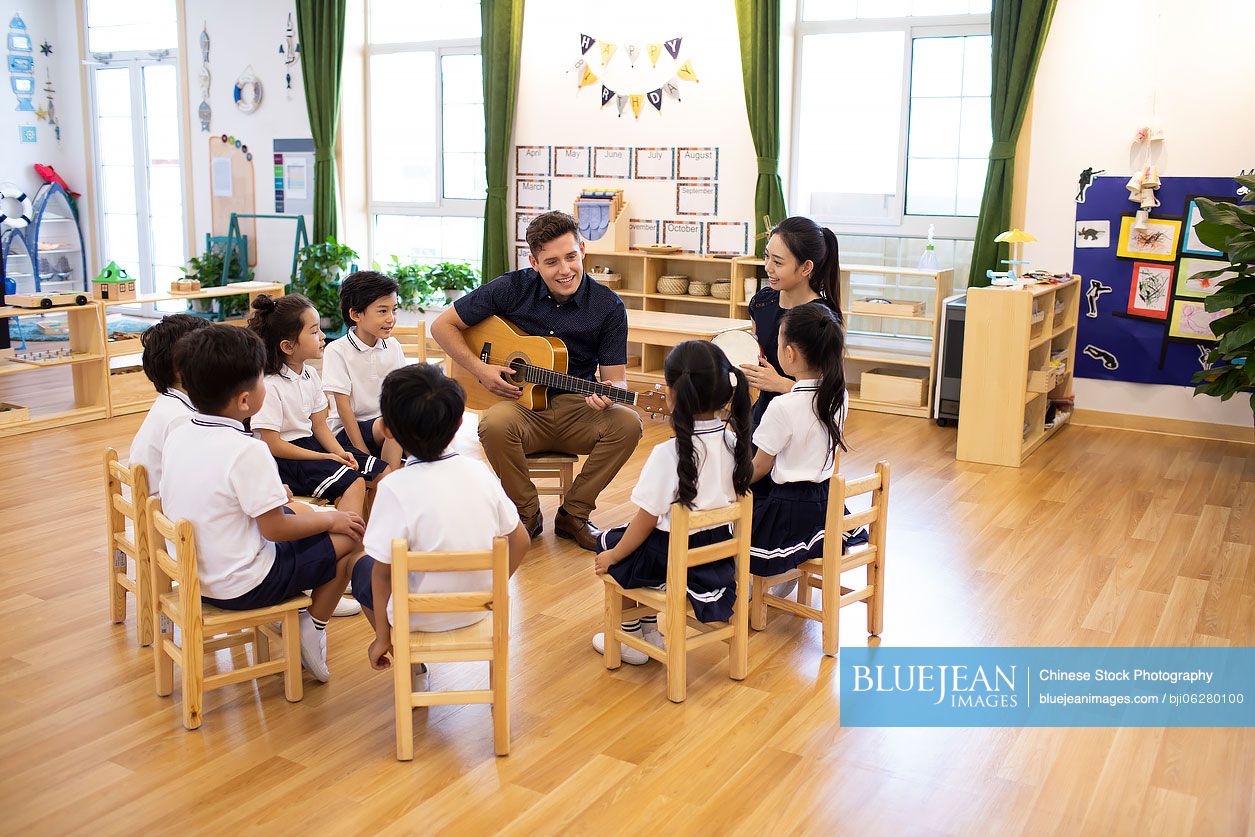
(118, 546)
(205, 629)
(825, 572)
(413, 340)
(552, 465)
(673, 602)
(486, 641)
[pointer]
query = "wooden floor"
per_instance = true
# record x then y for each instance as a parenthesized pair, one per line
(1105, 537)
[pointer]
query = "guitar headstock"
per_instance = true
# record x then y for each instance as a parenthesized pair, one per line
(653, 402)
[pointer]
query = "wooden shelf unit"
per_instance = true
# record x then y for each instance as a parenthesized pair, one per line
(128, 394)
(1001, 415)
(87, 367)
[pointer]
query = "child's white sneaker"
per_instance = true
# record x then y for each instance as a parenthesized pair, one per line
(347, 607)
(418, 678)
(314, 648)
(628, 654)
(655, 639)
(784, 589)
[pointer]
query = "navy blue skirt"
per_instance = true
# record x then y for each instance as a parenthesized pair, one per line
(325, 479)
(789, 526)
(711, 587)
(367, 429)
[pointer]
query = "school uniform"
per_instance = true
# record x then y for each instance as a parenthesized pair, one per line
(453, 504)
(352, 368)
(292, 398)
(765, 311)
(220, 478)
(711, 587)
(791, 503)
(171, 408)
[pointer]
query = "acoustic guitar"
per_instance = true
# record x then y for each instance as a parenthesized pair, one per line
(538, 363)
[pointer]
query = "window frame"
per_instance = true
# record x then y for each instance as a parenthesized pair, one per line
(902, 224)
(441, 207)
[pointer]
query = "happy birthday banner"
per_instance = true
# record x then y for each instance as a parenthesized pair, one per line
(622, 99)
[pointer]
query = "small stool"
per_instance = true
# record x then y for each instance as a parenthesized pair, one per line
(552, 465)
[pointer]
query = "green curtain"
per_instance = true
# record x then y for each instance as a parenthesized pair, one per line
(759, 25)
(320, 27)
(500, 44)
(1019, 30)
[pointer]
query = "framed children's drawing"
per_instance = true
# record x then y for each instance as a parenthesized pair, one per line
(1150, 289)
(1190, 321)
(1157, 242)
(1192, 286)
(1192, 244)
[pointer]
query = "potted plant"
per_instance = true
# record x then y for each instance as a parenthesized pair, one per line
(1230, 228)
(318, 278)
(207, 269)
(454, 278)
(412, 279)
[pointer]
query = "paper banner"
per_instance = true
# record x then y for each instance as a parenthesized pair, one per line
(586, 43)
(655, 99)
(654, 51)
(607, 50)
(672, 89)
(633, 52)
(673, 47)
(637, 101)
(621, 103)
(606, 95)
(686, 71)
(578, 65)
(589, 78)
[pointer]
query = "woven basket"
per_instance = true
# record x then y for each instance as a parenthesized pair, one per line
(699, 289)
(673, 285)
(721, 290)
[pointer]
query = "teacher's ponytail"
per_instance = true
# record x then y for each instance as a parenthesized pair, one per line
(808, 241)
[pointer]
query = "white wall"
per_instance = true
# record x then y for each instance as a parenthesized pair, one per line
(235, 43)
(55, 23)
(552, 111)
(1110, 66)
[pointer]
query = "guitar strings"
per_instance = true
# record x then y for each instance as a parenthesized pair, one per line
(570, 382)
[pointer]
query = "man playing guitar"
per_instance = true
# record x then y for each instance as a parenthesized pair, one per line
(555, 298)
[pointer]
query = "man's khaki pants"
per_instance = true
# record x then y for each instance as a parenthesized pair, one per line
(509, 432)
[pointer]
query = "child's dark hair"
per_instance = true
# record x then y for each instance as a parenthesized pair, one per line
(814, 331)
(360, 289)
(275, 320)
(216, 363)
(700, 377)
(422, 409)
(808, 241)
(158, 342)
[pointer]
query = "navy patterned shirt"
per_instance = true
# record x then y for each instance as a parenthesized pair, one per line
(592, 323)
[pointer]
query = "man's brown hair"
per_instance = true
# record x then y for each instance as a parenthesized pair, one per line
(547, 226)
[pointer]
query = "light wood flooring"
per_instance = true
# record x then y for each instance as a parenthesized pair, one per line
(1104, 538)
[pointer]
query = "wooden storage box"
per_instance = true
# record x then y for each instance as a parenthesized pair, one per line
(1042, 380)
(13, 413)
(610, 280)
(897, 307)
(895, 386)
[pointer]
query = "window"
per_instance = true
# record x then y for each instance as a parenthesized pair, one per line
(425, 132)
(891, 123)
(136, 123)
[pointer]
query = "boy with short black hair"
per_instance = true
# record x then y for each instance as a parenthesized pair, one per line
(252, 550)
(439, 502)
(172, 406)
(353, 367)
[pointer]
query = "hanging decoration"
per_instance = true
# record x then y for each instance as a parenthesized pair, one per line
(45, 48)
(655, 50)
(291, 51)
(48, 112)
(588, 78)
(607, 50)
(606, 95)
(673, 90)
(578, 65)
(21, 65)
(636, 99)
(204, 111)
(687, 72)
(673, 47)
(248, 91)
(655, 99)
(1145, 180)
(620, 102)
(633, 52)
(586, 43)
(656, 96)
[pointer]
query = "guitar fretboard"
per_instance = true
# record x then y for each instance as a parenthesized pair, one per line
(547, 377)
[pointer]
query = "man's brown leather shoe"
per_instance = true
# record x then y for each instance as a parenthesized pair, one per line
(534, 524)
(569, 526)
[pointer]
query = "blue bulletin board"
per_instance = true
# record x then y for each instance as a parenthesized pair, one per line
(1141, 319)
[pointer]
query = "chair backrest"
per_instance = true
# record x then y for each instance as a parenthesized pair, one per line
(118, 509)
(180, 567)
(684, 521)
(840, 490)
(495, 600)
(413, 340)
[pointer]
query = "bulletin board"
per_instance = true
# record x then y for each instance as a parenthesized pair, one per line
(231, 189)
(1142, 318)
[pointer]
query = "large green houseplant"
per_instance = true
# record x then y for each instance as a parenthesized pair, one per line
(423, 285)
(207, 269)
(318, 276)
(1230, 228)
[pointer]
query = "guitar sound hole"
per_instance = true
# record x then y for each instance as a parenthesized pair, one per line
(517, 364)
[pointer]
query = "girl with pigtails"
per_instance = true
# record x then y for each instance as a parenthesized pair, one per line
(706, 465)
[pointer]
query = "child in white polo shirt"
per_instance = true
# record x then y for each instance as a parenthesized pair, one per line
(353, 367)
(293, 420)
(440, 501)
(172, 405)
(251, 549)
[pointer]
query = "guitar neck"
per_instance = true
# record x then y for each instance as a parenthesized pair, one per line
(549, 378)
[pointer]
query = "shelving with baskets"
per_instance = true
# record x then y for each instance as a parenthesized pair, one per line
(1019, 351)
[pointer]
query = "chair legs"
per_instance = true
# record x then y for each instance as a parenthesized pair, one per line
(758, 604)
(876, 604)
(614, 619)
(193, 671)
(499, 682)
(116, 560)
(830, 596)
(293, 687)
(163, 663)
(677, 657)
(403, 700)
(143, 596)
